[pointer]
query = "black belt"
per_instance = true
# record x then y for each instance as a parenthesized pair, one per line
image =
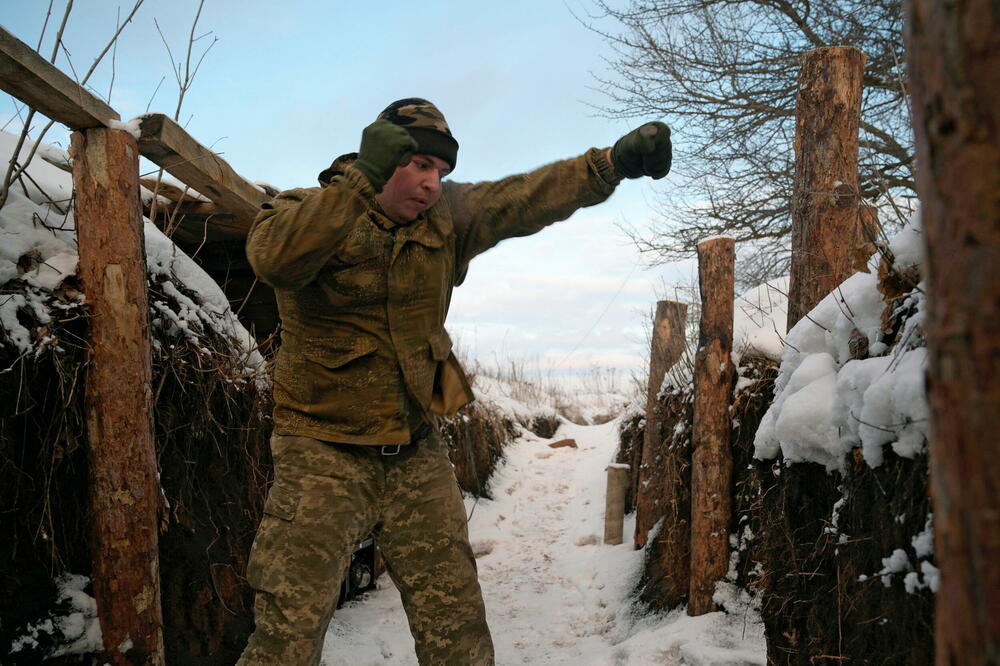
(417, 435)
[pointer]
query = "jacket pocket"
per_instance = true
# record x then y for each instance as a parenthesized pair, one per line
(335, 352)
(281, 503)
(440, 345)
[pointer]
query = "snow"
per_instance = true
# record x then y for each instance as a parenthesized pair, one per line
(133, 127)
(916, 576)
(714, 238)
(36, 224)
(74, 624)
(881, 401)
(759, 319)
(555, 594)
(827, 402)
(38, 252)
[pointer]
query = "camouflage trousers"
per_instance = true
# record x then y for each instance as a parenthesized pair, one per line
(328, 497)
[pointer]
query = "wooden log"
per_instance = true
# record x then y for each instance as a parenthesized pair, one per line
(42, 86)
(614, 503)
(826, 217)
(124, 492)
(711, 459)
(666, 348)
(167, 144)
(954, 65)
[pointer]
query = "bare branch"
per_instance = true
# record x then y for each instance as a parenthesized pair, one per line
(723, 74)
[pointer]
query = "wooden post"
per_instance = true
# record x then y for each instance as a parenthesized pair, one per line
(666, 347)
(954, 64)
(124, 492)
(614, 503)
(826, 218)
(711, 459)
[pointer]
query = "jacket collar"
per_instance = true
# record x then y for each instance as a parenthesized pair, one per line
(427, 230)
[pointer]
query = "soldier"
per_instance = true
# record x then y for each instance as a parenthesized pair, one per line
(363, 269)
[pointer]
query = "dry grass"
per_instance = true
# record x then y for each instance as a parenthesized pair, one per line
(211, 429)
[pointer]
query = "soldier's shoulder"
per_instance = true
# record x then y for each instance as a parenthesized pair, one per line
(297, 193)
(291, 197)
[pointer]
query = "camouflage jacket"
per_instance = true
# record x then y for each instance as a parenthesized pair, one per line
(364, 354)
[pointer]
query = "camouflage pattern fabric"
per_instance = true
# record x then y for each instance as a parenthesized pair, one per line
(364, 354)
(426, 125)
(336, 168)
(326, 497)
(415, 112)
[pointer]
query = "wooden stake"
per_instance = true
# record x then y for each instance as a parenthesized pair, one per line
(614, 504)
(826, 220)
(711, 460)
(954, 65)
(666, 348)
(124, 493)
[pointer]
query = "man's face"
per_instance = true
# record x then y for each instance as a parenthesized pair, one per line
(413, 188)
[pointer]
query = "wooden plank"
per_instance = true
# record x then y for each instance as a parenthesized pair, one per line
(167, 144)
(42, 86)
(712, 459)
(124, 485)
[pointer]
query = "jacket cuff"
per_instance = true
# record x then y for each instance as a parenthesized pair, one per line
(600, 165)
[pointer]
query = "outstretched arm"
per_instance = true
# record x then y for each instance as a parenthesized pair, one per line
(487, 213)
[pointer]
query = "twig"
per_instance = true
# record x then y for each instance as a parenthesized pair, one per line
(11, 173)
(155, 90)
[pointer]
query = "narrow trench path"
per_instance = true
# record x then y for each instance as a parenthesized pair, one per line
(555, 594)
(538, 548)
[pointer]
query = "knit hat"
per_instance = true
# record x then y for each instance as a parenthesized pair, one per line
(427, 126)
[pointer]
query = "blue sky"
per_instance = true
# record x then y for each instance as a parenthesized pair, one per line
(289, 86)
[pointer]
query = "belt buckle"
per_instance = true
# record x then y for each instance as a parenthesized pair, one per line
(387, 450)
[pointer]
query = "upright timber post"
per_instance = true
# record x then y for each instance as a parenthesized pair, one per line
(826, 211)
(614, 504)
(953, 54)
(666, 347)
(711, 459)
(124, 492)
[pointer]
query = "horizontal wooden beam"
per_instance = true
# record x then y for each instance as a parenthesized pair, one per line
(42, 86)
(167, 144)
(196, 223)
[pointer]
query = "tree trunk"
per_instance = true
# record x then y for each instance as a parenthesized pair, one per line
(124, 493)
(826, 212)
(954, 61)
(666, 348)
(711, 459)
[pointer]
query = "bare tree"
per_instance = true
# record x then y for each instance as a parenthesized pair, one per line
(723, 73)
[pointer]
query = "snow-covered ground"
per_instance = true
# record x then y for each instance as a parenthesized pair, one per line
(555, 594)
